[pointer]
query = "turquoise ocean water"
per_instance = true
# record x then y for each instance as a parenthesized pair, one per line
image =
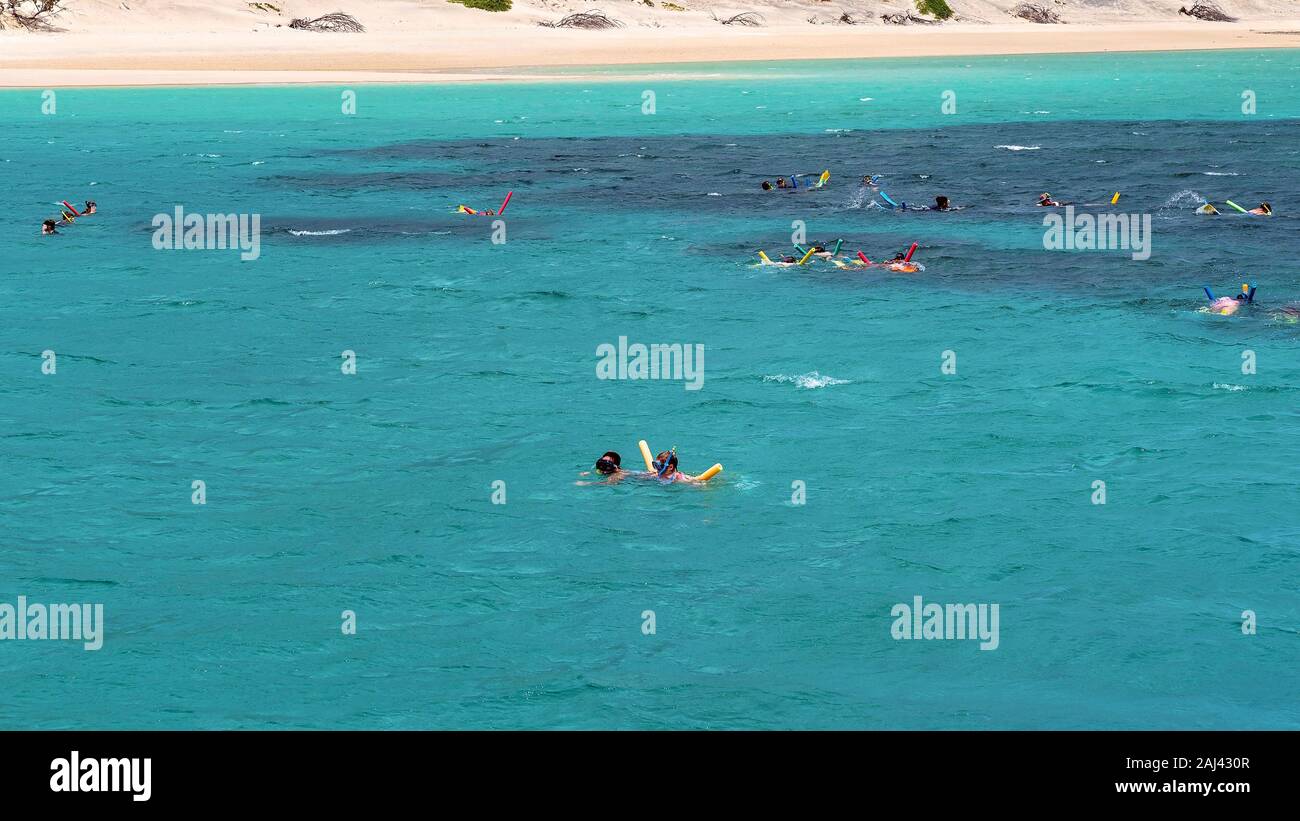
(476, 363)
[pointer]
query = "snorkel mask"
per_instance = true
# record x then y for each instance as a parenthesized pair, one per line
(662, 467)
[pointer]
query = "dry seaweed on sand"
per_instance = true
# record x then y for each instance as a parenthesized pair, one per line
(1207, 11)
(905, 18)
(33, 15)
(1035, 13)
(594, 19)
(338, 21)
(745, 18)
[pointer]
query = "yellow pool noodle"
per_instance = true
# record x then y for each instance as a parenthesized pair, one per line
(806, 256)
(763, 256)
(826, 175)
(645, 454)
(710, 473)
(1115, 198)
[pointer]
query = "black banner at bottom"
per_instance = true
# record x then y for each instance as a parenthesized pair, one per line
(337, 770)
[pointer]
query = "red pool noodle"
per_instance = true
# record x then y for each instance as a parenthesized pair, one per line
(863, 257)
(910, 251)
(502, 209)
(74, 211)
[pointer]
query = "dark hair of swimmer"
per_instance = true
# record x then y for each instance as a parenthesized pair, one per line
(1266, 208)
(941, 203)
(90, 208)
(609, 463)
(47, 227)
(789, 259)
(767, 186)
(899, 257)
(666, 462)
(780, 182)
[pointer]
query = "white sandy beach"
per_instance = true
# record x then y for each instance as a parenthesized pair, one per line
(197, 42)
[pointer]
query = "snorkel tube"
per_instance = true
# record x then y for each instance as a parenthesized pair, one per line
(662, 467)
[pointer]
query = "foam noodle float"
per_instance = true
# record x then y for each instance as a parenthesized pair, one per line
(800, 249)
(645, 454)
(886, 198)
(74, 211)
(863, 257)
(1115, 198)
(763, 256)
(710, 473)
(465, 209)
(806, 256)
(1238, 207)
(910, 251)
(838, 243)
(824, 178)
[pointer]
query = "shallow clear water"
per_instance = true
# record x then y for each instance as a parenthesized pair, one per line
(477, 363)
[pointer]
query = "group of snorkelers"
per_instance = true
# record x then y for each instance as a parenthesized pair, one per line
(67, 216)
(610, 467)
(1263, 210)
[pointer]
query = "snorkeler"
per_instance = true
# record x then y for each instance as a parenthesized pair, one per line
(1045, 200)
(48, 227)
(941, 203)
(90, 208)
(1264, 210)
(781, 183)
(871, 180)
(1227, 305)
(609, 466)
(665, 465)
(767, 186)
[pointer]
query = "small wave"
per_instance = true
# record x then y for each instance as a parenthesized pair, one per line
(1184, 198)
(810, 380)
(331, 232)
(1223, 386)
(1221, 173)
(865, 99)
(1019, 147)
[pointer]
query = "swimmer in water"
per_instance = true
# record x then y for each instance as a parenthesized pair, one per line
(1227, 305)
(1045, 200)
(767, 186)
(1264, 210)
(781, 183)
(941, 203)
(610, 467)
(48, 227)
(90, 208)
(665, 465)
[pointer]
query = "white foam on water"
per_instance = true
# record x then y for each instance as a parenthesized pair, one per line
(331, 232)
(808, 381)
(1223, 386)
(1019, 147)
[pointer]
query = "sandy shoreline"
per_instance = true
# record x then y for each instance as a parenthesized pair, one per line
(521, 52)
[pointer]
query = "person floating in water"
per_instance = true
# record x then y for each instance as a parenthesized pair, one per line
(1045, 200)
(665, 465)
(48, 227)
(767, 186)
(781, 183)
(1227, 305)
(1264, 210)
(90, 208)
(610, 467)
(941, 203)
